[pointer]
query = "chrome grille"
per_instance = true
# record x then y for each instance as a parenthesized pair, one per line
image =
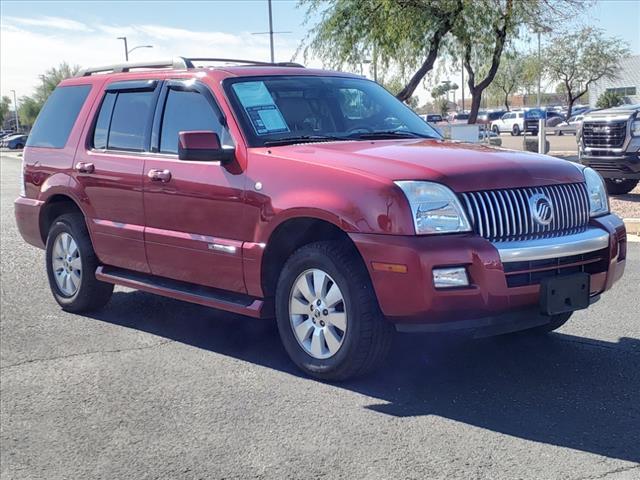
(503, 215)
(604, 134)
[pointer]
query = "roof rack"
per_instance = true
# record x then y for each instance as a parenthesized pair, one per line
(178, 63)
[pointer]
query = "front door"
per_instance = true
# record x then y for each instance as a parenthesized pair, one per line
(193, 209)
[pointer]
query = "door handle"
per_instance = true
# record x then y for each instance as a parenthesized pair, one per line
(84, 167)
(159, 175)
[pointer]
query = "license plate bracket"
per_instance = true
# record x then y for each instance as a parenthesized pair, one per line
(564, 294)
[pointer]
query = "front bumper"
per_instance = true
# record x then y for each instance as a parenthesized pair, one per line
(410, 299)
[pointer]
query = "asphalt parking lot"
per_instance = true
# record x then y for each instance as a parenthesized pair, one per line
(155, 388)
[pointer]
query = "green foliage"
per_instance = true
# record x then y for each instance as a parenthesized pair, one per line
(443, 89)
(28, 110)
(609, 99)
(4, 108)
(402, 35)
(508, 78)
(441, 105)
(581, 58)
(29, 107)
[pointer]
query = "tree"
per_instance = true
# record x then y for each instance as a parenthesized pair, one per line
(28, 110)
(485, 28)
(609, 99)
(4, 108)
(407, 34)
(30, 107)
(508, 76)
(51, 78)
(579, 59)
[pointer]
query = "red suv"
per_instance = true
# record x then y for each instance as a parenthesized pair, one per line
(314, 197)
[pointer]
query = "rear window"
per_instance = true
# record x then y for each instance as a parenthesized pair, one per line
(57, 117)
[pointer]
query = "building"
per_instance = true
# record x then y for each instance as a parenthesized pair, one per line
(626, 83)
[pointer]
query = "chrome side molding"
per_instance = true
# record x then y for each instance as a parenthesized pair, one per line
(590, 240)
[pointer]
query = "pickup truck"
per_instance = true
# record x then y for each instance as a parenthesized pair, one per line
(609, 142)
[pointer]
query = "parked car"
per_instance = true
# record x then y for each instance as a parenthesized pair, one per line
(486, 118)
(14, 142)
(609, 142)
(459, 117)
(512, 122)
(568, 126)
(432, 118)
(278, 191)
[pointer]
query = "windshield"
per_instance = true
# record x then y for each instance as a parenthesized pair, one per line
(290, 109)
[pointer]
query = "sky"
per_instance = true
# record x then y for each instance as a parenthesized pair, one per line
(35, 36)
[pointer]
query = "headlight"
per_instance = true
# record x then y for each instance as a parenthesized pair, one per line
(435, 208)
(635, 128)
(598, 200)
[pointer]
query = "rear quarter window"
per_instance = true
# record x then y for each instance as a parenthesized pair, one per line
(57, 117)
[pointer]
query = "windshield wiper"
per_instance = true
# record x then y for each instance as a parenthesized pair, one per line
(389, 134)
(302, 139)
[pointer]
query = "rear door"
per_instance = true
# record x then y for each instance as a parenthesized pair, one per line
(194, 214)
(109, 172)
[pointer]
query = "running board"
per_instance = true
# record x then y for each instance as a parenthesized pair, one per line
(188, 292)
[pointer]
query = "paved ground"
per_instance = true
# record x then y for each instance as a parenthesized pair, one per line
(565, 144)
(155, 388)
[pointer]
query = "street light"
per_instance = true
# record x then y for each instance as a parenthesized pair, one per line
(270, 32)
(539, 30)
(127, 51)
(15, 110)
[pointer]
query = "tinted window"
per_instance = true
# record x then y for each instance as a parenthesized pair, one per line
(185, 111)
(285, 108)
(56, 119)
(131, 115)
(101, 132)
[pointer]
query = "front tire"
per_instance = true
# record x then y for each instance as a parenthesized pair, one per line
(620, 186)
(71, 266)
(496, 130)
(328, 315)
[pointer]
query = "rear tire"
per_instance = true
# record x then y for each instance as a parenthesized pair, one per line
(71, 266)
(516, 130)
(620, 186)
(351, 347)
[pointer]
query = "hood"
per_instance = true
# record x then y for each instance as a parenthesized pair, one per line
(622, 112)
(462, 167)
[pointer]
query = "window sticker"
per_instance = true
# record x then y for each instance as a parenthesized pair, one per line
(260, 107)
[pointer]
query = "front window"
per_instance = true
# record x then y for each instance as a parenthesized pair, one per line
(291, 109)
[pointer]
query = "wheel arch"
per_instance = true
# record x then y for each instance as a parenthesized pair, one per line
(290, 235)
(56, 205)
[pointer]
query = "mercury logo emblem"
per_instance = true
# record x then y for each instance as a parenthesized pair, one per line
(541, 209)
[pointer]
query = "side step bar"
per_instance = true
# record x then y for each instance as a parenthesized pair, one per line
(188, 292)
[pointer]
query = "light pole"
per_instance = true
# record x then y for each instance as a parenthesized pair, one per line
(270, 32)
(127, 51)
(539, 30)
(15, 110)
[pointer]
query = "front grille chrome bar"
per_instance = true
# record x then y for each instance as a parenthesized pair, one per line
(544, 248)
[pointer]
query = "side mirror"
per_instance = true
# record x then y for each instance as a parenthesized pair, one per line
(203, 145)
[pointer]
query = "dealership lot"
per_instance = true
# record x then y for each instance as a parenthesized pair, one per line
(155, 388)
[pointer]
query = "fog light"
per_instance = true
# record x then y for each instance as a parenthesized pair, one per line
(450, 277)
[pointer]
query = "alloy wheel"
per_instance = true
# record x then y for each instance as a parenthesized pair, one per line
(67, 264)
(317, 313)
